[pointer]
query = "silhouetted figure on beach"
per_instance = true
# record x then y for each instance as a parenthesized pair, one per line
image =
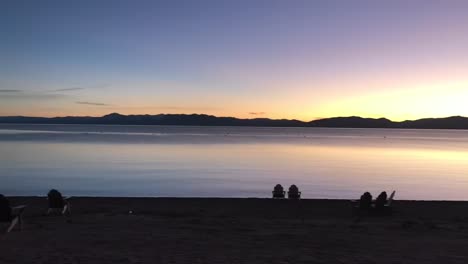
(381, 201)
(294, 192)
(365, 202)
(5, 209)
(278, 191)
(55, 199)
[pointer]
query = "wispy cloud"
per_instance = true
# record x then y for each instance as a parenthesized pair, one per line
(77, 88)
(257, 113)
(10, 91)
(91, 103)
(69, 89)
(30, 96)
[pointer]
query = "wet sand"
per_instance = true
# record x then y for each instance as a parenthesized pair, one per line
(192, 230)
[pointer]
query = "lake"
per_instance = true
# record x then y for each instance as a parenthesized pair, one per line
(178, 161)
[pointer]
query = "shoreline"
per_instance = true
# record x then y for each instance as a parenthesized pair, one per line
(239, 126)
(225, 198)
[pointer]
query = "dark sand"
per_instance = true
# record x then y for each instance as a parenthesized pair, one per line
(164, 230)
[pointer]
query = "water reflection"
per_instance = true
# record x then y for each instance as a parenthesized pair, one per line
(247, 165)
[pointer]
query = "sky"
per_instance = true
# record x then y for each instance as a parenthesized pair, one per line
(245, 58)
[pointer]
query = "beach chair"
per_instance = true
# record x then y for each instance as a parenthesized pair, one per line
(278, 192)
(363, 205)
(364, 202)
(12, 216)
(58, 204)
(366, 205)
(380, 202)
(294, 193)
(390, 200)
(386, 208)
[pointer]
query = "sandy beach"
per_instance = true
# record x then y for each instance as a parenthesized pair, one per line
(192, 230)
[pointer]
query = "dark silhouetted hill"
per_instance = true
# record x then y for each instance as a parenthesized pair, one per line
(455, 122)
(352, 122)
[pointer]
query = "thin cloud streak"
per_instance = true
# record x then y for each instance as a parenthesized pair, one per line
(257, 113)
(69, 89)
(30, 96)
(92, 103)
(10, 91)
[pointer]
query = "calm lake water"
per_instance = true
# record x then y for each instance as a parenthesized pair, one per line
(96, 160)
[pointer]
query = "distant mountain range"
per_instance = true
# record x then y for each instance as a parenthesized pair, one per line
(454, 122)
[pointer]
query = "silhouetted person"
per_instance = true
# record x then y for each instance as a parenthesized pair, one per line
(294, 192)
(278, 191)
(365, 202)
(381, 201)
(5, 209)
(55, 199)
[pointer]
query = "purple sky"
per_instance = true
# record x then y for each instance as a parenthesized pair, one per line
(279, 59)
